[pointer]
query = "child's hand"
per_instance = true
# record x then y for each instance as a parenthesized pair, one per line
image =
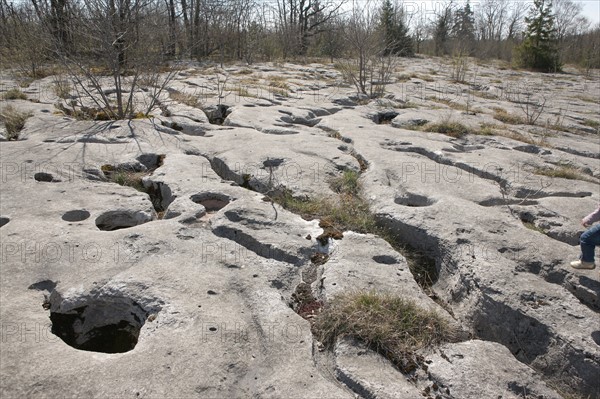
(584, 224)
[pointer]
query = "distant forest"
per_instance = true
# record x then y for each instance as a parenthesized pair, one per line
(34, 33)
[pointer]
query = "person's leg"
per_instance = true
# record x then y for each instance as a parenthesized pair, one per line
(588, 242)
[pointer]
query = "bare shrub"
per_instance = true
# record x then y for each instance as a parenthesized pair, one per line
(460, 66)
(118, 70)
(367, 66)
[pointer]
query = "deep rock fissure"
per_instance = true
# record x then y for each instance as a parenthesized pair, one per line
(264, 250)
(134, 174)
(216, 114)
(384, 117)
(417, 246)
(303, 300)
(520, 193)
(160, 196)
(528, 340)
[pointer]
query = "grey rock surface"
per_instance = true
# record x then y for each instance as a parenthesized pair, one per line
(479, 369)
(185, 284)
(370, 375)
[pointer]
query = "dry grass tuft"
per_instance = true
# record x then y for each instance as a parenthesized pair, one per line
(449, 128)
(564, 171)
(390, 325)
(14, 121)
(14, 94)
(592, 123)
(185, 98)
(500, 114)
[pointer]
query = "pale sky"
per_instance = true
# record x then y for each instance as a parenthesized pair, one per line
(591, 10)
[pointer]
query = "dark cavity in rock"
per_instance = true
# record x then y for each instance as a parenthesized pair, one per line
(213, 202)
(414, 200)
(45, 177)
(385, 259)
(273, 162)
(115, 220)
(216, 114)
(384, 117)
(76, 215)
(44, 285)
(108, 324)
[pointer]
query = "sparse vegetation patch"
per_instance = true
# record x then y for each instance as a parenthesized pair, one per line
(500, 114)
(591, 123)
(349, 211)
(14, 121)
(486, 129)
(186, 98)
(449, 128)
(388, 324)
(564, 171)
(14, 94)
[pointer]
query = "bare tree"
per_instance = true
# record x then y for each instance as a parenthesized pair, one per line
(565, 17)
(515, 26)
(516, 20)
(491, 17)
(301, 19)
(590, 49)
(20, 39)
(58, 15)
(367, 66)
(171, 45)
(331, 41)
(419, 23)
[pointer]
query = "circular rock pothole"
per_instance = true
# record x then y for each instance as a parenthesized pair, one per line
(77, 215)
(212, 202)
(121, 219)
(45, 177)
(98, 323)
(4, 220)
(414, 200)
(385, 259)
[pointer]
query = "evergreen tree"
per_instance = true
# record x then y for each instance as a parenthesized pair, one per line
(395, 31)
(539, 49)
(464, 28)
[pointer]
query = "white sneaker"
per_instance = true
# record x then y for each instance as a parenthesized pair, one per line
(579, 264)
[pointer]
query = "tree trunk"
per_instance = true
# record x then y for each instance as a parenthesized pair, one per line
(171, 45)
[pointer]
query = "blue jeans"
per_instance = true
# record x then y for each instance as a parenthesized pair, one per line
(588, 242)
